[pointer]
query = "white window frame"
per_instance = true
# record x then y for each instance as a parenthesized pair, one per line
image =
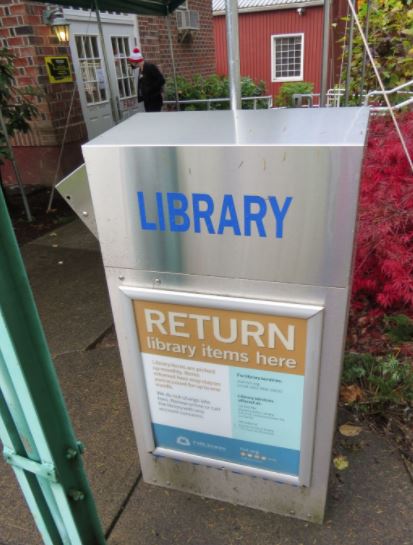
(184, 6)
(130, 76)
(101, 67)
(274, 37)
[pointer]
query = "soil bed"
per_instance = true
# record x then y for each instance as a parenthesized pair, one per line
(43, 222)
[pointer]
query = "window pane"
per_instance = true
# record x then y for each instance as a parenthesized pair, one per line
(287, 56)
(88, 49)
(127, 87)
(115, 47)
(79, 46)
(95, 49)
(124, 75)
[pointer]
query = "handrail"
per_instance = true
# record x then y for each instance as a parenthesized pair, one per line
(395, 107)
(389, 92)
(209, 101)
(333, 96)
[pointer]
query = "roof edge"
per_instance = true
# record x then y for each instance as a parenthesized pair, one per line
(292, 5)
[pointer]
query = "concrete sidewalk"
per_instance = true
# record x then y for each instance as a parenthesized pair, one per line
(370, 503)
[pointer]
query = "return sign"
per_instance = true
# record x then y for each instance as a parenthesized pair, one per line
(225, 384)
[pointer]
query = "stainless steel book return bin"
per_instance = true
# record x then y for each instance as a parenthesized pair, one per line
(227, 241)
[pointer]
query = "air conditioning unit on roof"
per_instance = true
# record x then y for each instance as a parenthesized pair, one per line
(187, 20)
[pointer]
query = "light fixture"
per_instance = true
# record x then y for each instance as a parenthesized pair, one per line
(54, 17)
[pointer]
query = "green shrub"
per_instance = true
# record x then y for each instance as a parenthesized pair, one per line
(15, 104)
(384, 381)
(203, 88)
(399, 328)
(287, 90)
(390, 38)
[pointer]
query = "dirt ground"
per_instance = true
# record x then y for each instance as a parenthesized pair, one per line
(43, 222)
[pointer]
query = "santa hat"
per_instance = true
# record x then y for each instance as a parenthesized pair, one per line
(136, 56)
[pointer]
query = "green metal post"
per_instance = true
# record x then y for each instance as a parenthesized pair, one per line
(37, 436)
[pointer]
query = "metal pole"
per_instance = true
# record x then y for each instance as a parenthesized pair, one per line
(325, 53)
(15, 168)
(233, 54)
(363, 66)
(349, 57)
(38, 439)
(62, 145)
(112, 94)
(171, 48)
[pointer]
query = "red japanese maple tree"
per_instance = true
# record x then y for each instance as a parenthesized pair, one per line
(383, 274)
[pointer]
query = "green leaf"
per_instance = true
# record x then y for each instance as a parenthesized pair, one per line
(341, 462)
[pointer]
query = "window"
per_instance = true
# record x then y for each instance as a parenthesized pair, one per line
(91, 69)
(124, 74)
(287, 55)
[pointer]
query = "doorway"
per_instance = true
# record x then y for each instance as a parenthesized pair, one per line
(95, 85)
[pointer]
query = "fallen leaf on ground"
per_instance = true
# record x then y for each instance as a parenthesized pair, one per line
(340, 463)
(351, 393)
(349, 430)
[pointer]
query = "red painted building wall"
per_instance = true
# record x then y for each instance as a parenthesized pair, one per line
(255, 31)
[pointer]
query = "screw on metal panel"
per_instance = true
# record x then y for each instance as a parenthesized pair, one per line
(84, 213)
(157, 281)
(76, 495)
(121, 277)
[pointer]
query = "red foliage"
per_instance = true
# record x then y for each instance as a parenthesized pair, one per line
(383, 276)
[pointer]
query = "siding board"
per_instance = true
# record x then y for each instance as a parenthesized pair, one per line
(255, 31)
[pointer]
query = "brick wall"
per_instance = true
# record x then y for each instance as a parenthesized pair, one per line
(196, 56)
(24, 34)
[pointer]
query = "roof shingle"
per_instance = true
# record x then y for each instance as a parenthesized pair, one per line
(219, 5)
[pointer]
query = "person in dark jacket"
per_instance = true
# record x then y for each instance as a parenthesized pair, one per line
(150, 82)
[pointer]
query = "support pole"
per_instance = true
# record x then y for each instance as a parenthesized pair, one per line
(37, 436)
(363, 66)
(233, 54)
(349, 57)
(62, 147)
(171, 49)
(325, 53)
(112, 94)
(15, 168)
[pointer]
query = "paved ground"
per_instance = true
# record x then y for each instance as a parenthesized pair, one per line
(370, 503)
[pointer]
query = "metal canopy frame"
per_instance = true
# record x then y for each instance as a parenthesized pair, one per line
(138, 7)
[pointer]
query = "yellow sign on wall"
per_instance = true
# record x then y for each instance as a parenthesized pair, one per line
(58, 69)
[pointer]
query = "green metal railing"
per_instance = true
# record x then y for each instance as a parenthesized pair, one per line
(37, 436)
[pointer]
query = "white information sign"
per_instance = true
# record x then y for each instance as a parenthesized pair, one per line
(228, 384)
